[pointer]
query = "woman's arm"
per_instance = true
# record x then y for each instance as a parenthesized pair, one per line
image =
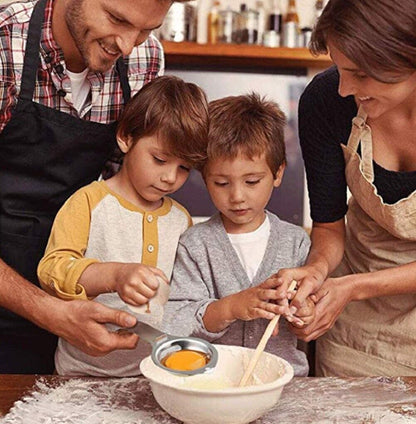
(336, 293)
(324, 124)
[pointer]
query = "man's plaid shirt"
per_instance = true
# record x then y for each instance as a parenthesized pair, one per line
(53, 86)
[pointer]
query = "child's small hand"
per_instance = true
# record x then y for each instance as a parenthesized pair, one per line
(137, 283)
(255, 302)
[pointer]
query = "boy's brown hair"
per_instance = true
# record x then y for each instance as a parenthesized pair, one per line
(173, 109)
(248, 125)
(379, 36)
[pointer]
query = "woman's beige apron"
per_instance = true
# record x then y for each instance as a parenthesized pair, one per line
(375, 336)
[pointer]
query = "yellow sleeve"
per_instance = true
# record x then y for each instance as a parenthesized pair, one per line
(63, 263)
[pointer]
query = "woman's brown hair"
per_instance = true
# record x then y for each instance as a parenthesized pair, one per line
(248, 125)
(173, 109)
(379, 36)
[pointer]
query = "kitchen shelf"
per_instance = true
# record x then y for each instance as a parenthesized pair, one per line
(241, 56)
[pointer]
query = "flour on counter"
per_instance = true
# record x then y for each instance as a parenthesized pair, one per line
(117, 401)
(337, 401)
(130, 401)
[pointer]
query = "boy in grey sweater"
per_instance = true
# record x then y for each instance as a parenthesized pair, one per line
(222, 285)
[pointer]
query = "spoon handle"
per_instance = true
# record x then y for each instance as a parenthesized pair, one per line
(262, 344)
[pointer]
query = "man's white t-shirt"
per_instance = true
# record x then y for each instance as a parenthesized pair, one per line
(80, 87)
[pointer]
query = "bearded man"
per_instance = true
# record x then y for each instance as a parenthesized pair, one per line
(67, 67)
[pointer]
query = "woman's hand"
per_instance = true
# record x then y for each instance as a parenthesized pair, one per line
(331, 299)
(309, 280)
(326, 253)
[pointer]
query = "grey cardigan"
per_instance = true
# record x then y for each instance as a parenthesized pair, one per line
(207, 268)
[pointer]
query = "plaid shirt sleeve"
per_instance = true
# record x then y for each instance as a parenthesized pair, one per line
(8, 72)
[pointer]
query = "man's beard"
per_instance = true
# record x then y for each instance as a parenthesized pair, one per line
(75, 22)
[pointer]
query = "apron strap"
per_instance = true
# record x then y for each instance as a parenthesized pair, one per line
(124, 81)
(32, 56)
(361, 135)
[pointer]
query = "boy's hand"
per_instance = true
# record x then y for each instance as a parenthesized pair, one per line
(137, 283)
(255, 302)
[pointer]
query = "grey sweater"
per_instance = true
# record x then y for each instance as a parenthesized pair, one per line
(207, 268)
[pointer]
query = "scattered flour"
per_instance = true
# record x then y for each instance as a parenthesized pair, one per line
(130, 401)
(118, 401)
(377, 400)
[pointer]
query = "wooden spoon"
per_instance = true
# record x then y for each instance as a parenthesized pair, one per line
(262, 344)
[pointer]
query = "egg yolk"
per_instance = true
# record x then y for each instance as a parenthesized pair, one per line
(185, 360)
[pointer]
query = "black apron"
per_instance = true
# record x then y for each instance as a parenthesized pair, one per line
(45, 156)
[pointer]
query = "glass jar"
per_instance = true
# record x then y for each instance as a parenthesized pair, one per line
(228, 26)
(249, 23)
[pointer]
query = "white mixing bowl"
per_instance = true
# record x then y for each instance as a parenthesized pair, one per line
(215, 398)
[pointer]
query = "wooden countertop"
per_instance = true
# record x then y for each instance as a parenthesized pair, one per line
(241, 56)
(304, 400)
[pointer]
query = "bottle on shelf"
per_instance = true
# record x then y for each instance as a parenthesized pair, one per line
(262, 24)
(228, 26)
(248, 25)
(275, 18)
(174, 25)
(202, 21)
(291, 31)
(305, 39)
(190, 21)
(274, 28)
(213, 18)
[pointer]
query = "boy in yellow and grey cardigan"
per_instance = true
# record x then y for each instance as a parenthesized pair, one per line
(115, 240)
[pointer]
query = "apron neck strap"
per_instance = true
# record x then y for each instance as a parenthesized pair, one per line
(361, 136)
(358, 125)
(124, 81)
(32, 57)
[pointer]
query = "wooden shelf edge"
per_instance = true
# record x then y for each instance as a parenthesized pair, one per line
(245, 56)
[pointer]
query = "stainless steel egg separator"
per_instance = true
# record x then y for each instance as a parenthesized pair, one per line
(165, 344)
